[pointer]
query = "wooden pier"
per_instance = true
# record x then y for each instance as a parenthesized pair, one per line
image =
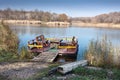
(48, 56)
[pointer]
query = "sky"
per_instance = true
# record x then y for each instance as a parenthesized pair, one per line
(73, 8)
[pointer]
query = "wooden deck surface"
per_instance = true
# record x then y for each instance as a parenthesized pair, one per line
(48, 56)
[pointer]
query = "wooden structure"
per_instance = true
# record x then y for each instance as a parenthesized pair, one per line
(70, 66)
(48, 56)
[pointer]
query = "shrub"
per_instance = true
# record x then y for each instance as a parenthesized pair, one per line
(8, 40)
(8, 44)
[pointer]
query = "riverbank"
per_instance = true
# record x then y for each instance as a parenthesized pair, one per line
(21, 70)
(60, 24)
(37, 23)
(96, 25)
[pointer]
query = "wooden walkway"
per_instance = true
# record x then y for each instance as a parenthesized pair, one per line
(48, 56)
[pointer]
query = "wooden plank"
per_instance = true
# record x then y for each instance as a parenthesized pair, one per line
(70, 66)
(46, 56)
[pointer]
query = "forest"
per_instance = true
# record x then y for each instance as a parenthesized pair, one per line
(10, 14)
(113, 17)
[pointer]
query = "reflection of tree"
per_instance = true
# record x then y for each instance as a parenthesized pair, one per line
(38, 30)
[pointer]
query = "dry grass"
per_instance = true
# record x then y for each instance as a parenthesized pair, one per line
(97, 25)
(8, 40)
(102, 53)
(8, 43)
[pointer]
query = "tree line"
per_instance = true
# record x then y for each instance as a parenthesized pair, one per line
(113, 17)
(10, 14)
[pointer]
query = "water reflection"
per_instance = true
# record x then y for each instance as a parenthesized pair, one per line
(84, 35)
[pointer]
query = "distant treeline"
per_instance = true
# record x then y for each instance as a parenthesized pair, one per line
(113, 17)
(9, 14)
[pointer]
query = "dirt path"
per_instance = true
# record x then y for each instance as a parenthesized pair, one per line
(21, 69)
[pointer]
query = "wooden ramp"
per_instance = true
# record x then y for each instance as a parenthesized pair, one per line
(48, 56)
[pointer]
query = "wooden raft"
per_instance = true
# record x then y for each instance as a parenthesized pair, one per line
(46, 57)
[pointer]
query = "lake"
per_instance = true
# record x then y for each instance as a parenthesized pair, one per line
(84, 35)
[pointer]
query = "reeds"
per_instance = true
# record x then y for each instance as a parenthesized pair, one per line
(102, 53)
(8, 43)
(8, 40)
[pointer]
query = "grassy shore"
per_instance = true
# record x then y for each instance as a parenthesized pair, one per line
(96, 25)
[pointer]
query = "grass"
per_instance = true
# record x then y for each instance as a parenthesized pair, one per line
(101, 53)
(24, 54)
(7, 56)
(8, 40)
(90, 72)
(3, 78)
(80, 73)
(116, 73)
(8, 44)
(86, 78)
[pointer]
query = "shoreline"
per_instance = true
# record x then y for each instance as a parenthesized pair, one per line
(96, 25)
(61, 24)
(36, 23)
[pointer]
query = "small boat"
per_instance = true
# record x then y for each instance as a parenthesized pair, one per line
(64, 46)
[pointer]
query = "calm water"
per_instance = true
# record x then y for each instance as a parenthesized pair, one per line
(84, 35)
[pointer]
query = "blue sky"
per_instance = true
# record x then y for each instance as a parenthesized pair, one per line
(74, 8)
